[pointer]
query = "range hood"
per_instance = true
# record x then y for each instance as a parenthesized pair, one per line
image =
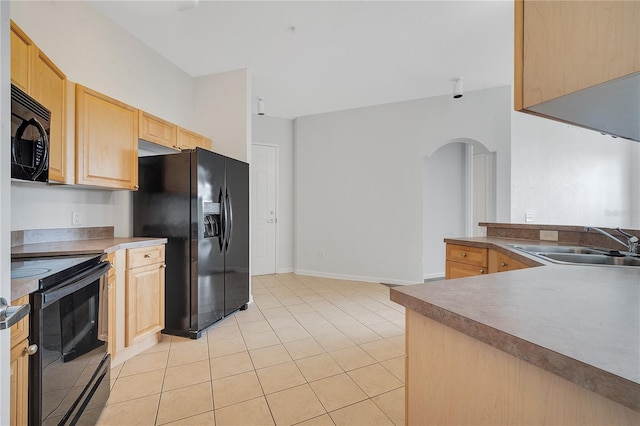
(612, 107)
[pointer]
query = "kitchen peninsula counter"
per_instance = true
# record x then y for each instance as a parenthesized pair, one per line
(579, 323)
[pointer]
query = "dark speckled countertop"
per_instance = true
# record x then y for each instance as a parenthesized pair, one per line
(581, 323)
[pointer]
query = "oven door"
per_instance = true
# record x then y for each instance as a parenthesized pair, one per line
(69, 375)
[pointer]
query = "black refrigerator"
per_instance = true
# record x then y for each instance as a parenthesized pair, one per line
(199, 201)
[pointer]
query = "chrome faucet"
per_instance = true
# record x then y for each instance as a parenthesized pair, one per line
(632, 240)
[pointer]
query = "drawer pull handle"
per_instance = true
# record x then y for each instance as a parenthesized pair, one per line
(504, 264)
(463, 254)
(147, 256)
(30, 350)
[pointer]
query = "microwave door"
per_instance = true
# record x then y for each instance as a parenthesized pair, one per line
(30, 148)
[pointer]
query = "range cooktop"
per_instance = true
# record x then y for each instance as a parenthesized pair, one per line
(50, 271)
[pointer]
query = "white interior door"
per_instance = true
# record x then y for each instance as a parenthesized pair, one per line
(484, 198)
(264, 166)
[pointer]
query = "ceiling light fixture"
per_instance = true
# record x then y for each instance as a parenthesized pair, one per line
(457, 87)
(260, 105)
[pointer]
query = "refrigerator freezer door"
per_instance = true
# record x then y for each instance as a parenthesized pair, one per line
(208, 289)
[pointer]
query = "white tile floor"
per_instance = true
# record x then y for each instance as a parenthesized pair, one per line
(310, 351)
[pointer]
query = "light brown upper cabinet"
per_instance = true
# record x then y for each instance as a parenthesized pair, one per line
(34, 73)
(190, 140)
(106, 141)
(21, 58)
(579, 62)
(157, 130)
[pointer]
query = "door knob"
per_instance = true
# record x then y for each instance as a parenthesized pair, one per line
(30, 350)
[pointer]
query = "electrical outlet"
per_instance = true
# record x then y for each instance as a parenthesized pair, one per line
(76, 219)
(548, 235)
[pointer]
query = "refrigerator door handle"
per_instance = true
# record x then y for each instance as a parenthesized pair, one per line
(223, 221)
(229, 210)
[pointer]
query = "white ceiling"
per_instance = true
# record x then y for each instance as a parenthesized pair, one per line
(343, 54)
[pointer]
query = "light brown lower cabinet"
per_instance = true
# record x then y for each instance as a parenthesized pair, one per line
(19, 386)
(111, 285)
(144, 298)
(500, 262)
(465, 261)
(454, 379)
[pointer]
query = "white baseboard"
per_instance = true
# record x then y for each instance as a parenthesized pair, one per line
(287, 270)
(353, 277)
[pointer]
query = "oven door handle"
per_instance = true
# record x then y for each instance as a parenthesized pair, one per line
(74, 284)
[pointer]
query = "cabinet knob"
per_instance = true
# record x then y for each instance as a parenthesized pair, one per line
(147, 256)
(30, 350)
(504, 264)
(164, 265)
(482, 271)
(136, 187)
(463, 254)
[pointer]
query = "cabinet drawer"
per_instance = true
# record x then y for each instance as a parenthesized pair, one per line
(20, 330)
(461, 270)
(469, 255)
(145, 256)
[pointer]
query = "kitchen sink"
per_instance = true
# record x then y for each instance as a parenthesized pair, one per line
(593, 259)
(580, 255)
(559, 249)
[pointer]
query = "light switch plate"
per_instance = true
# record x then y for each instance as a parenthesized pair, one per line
(548, 235)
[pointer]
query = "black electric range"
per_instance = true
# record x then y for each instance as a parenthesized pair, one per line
(49, 271)
(68, 326)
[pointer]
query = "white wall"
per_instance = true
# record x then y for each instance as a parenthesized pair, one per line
(93, 51)
(222, 112)
(358, 181)
(567, 175)
(279, 131)
(443, 200)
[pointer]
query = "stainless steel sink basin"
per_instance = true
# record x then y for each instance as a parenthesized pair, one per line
(593, 259)
(559, 249)
(580, 255)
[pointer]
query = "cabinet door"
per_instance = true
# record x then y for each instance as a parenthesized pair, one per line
(566, 46)
(48, 86)
(500, 262)
(206, 143)
(19, 386)
(106, 141)
(156, 130)
(461, 270)
(111, 283)
(144, 302)
(21, 58)
(190, 140)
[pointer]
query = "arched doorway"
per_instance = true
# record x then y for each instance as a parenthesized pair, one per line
(459, 190)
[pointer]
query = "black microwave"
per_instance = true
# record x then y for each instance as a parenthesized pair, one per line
(30, 123)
